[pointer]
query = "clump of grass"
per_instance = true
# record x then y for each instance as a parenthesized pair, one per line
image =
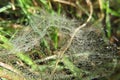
(45, 34)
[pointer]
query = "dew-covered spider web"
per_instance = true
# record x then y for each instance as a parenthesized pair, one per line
(88, 52)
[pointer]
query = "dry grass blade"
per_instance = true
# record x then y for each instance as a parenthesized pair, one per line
(65, 2)
(76, 30)
(8, 67)
(9, 73)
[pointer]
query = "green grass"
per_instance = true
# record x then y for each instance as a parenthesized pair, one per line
(25, 9)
